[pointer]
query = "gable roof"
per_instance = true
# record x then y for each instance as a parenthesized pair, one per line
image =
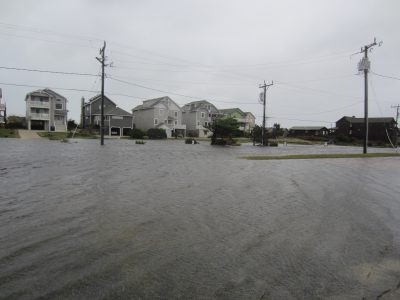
(229, 111)
(53, 93)
(113, 111)
(149, 104)
(98, 97)
(355, 120)
(249, 113)
(46, 92)
(116, 111)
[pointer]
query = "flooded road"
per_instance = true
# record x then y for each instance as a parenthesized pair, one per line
(167, 220)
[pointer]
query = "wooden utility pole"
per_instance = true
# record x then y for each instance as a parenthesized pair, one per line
(364, 65)
(397, 120)
(102, 60)
(264, 87)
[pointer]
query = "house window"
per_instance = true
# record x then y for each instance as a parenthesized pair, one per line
(176, 122)
(208, 107)
(165, 121)
(202, 115)
(155, 121)
(176, 114)
(198, 123)
(161, 112)
(205, 123)
(350, 131)
(58, 105)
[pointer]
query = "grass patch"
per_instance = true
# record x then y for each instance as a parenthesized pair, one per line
(55, 136)
(322, 156)
(8, 133)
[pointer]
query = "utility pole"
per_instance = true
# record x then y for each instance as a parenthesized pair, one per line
(364, 65)
(397, 119)
(264, 87)
(102, 60)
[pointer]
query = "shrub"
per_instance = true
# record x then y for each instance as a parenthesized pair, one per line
(191, 141)
(219, 142)
(136, 133)
(140, 142)
(156, 133)
(273, 144)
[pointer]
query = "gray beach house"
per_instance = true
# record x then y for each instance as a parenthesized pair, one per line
(117, 122)
(46, 110)
(197, 116)
(162, 113)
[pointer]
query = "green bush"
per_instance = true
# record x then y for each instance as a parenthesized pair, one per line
(220, 142)
(136, 133)
(191, 141)
(342, 138)
(156, 133)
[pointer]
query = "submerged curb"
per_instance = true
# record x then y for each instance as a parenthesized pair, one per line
(321, 156)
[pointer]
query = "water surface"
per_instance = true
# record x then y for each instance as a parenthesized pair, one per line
(167, 220)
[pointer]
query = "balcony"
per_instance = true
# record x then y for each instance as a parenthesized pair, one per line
(60, 112)
(39, 104)
(179, 126)
(40, 116)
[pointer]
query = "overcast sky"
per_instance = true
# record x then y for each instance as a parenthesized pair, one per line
(207, 49)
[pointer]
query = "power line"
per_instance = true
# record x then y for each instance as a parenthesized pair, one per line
(173, 93)
(385, 76)
(48, 87)
(300, 120)
(48, 71)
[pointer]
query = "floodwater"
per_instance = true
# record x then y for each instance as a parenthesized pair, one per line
(167, 220)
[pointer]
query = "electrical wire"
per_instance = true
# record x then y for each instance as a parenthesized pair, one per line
(48, 71)
(173, 93)
(385, 76)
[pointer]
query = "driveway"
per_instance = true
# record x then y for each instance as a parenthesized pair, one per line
(28, 134)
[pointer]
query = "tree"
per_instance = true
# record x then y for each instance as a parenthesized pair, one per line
(277, 131)
(223, 130)
(16, 122)
(71, 124)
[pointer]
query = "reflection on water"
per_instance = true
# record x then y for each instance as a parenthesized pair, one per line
(169, 220)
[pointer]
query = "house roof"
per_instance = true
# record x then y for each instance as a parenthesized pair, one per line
(197, 104)
(249, 113)
(355, 120)
(47, 92)
(98, 97)
(307, 128)
(114, 111)
(229, 111)
(148, 104)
